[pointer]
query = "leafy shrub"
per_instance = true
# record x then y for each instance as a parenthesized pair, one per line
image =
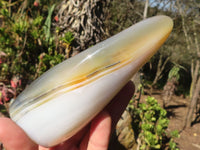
(25, 36)
(174, 73)
(20, 41)
(7, 92)
(28, 46)
(149, 124)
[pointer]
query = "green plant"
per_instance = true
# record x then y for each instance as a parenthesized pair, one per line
(47, 61)
(174, 73)
(68, 38)
(47, 24)
(172, 143)
(149, 124)
(67, 41)
(24, 37)
(50, 59)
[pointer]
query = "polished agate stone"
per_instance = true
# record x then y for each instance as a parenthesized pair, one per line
(65, 98)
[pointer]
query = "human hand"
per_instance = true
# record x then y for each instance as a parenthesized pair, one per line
(95, 136)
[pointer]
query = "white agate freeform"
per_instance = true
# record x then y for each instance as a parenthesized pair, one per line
(65, 98)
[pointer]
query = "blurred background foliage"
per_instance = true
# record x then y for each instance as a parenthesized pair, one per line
(26, 39)
(35, 35)
(33, 39)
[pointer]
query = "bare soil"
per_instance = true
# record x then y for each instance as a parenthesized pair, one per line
(177, 110)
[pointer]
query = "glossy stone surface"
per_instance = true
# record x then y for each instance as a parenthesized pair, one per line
(65, 98)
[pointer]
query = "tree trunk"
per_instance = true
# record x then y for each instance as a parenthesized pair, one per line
(160, 68)
(146, 9)
(84, 19)
(191, 41)
(193, 104)
(195, 71)
(194, 74)
(168, 91)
